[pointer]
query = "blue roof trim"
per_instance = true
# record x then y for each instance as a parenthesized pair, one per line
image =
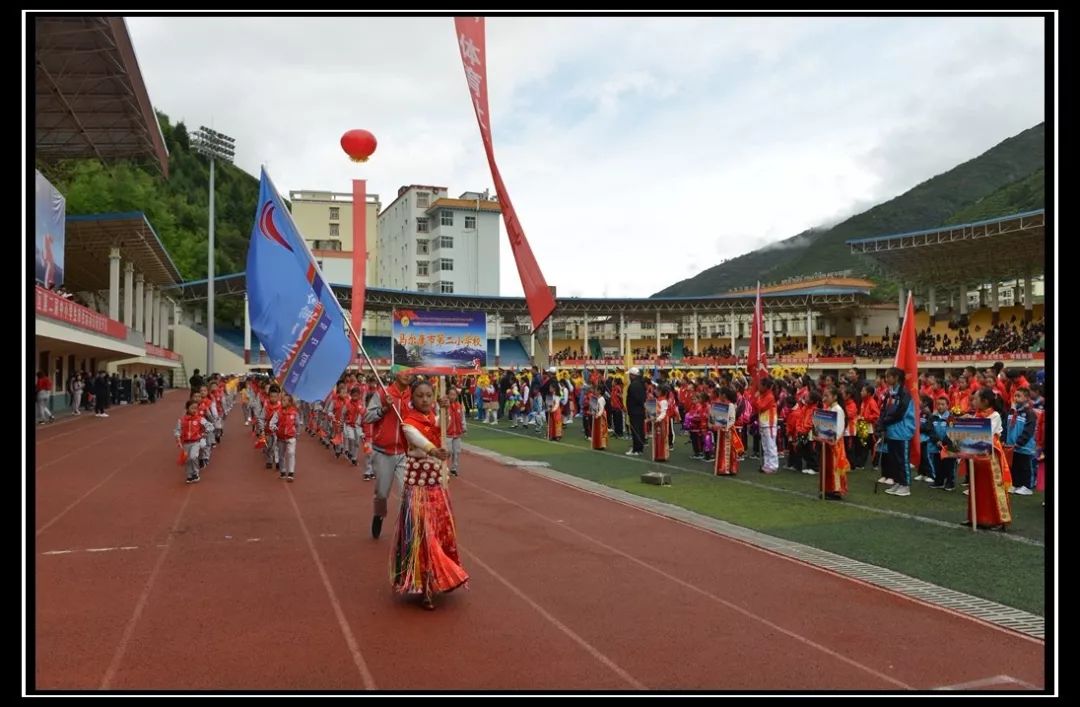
(999, 219)
(819, 290)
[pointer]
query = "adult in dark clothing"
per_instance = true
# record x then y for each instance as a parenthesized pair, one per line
(505, 384)
(114, 388)
(635, 408)
(151, 387)
(160, 385)
(196, 381)
(101, 394)
(549, 384)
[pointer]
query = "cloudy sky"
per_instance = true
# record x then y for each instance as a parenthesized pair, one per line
(618, 138)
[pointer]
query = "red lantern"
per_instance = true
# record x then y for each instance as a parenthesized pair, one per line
(358, 145)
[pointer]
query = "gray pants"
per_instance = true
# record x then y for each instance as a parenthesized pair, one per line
(389, 469)
(353, 435)
(287, 455)
(77, 397)
(455, 452)
(43, 411)
(271, 449)
(192, 449)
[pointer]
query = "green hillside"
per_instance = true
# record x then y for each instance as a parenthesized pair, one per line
(1027, 194)
(975, 183)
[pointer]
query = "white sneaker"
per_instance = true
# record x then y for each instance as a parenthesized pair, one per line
(967, 492)
(920, 477)
(630, 452)
(886, 481)
(1012, 489)
(1023, 491)
(811, 472)
(104, 414)
(928, 479)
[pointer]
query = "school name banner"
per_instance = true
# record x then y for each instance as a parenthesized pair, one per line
(439, 342)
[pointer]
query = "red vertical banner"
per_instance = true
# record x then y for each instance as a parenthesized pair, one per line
(470, 38)
(757, 362)
(359, 259)
(907, 360)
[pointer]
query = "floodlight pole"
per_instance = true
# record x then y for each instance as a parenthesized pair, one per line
(210, 281)
(214, 145)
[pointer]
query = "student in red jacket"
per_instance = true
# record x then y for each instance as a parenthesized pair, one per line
(354, 418)
(456, 427)
(284, 425)
(273, 405)
(190, 429)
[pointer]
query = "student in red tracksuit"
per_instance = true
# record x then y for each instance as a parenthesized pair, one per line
(385, 410)
(205, 409)
(354, 415)
(190, 429)
(272, 407)
(456, 427)
(338, 403)
(284, 425)
(369, 434)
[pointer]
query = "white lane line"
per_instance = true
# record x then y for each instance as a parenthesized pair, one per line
(592, 650)
(987, 682)
(703, 592)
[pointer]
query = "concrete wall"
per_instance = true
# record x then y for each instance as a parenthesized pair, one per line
(192, 346)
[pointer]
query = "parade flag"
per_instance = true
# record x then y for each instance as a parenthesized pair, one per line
(907, 360)
(294, 314)
(757, 363)
(538, 296)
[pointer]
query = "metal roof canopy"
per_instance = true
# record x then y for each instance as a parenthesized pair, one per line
(379, 299)
(88, 239)
(1000, 248)
(197, 290)
(90, 97)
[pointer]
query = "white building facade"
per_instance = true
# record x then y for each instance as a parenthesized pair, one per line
(429, 242)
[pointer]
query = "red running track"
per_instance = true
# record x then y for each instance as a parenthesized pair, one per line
(245, 582)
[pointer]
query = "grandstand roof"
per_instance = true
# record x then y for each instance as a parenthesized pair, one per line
(89, 237)
(90, 97)
(816, 296)
(1000, 248)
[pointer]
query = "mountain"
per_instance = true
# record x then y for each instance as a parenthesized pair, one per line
(992, 184)
(177, 208)
(1027, 194)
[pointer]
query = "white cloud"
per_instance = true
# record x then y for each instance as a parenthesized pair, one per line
(631, 146)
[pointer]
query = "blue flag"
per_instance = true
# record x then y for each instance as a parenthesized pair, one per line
(293, 312)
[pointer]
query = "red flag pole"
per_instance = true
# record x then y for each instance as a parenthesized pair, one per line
(359, 260)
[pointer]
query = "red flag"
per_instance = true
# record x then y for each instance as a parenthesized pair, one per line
(359, 259)
(757, 362)
(907, 360)
(470, 36)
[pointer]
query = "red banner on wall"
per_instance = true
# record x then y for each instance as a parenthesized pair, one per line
(152, 350)
(49, 304)
(470, 36)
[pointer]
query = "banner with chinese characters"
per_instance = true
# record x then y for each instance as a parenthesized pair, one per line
(440, 342)
(969, 438)
(471, 41)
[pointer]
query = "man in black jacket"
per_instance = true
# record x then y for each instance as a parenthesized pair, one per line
(196, 381)
(101, 394)
(635, 408)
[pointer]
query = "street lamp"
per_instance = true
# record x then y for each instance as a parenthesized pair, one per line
(216, 146)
